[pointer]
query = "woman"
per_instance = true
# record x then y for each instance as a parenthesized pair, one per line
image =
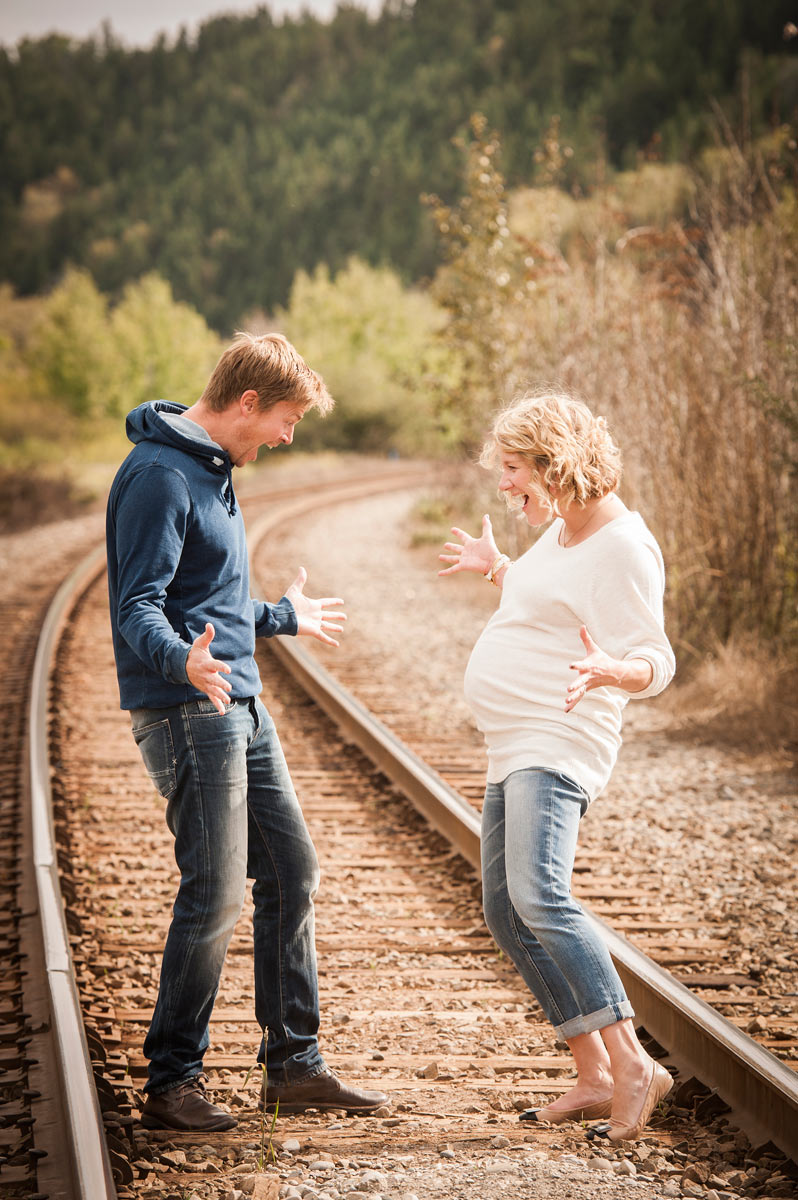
(583, 604)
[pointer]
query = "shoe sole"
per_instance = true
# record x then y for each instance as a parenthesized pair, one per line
(299, 1108)
(590, 1112)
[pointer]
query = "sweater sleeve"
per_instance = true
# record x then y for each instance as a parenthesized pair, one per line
(271, 619)
(626, 616)
(148, 555)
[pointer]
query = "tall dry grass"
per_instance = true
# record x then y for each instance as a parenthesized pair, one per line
(685, 337)
(683, 333)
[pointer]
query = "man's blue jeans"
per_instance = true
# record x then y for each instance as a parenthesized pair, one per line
(530, 823)
(233, 812)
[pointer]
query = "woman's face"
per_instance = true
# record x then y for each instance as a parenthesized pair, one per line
(524, 480)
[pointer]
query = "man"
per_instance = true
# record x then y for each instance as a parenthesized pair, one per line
(184, 629)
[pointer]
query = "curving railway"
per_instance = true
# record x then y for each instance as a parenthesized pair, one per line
(415, 997)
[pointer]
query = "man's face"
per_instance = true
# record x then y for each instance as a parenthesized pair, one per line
(256, 428)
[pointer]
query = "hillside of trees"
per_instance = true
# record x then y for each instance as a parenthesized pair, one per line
(229, 161)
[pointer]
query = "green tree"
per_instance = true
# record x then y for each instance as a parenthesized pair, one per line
(478, 285)
(374, 342)
(68, 351)
(162, 349)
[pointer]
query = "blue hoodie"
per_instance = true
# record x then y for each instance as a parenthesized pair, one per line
(177, 557)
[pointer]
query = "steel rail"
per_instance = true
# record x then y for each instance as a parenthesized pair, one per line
(760, 1089)
(89, 1168)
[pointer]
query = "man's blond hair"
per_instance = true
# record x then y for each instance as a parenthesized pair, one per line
(269, 365)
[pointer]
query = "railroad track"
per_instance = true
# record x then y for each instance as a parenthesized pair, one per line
(414, 996)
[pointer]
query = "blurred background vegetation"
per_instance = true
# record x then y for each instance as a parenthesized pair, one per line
(440, 206)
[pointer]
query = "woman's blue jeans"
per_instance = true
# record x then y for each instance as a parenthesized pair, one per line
(530, 823)
(233, 812)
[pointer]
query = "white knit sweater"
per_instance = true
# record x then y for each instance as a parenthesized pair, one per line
(517, 675)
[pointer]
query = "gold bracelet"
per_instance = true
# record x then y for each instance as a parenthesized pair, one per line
(503, 560)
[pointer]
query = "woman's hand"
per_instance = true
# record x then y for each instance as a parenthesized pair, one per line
(475, 554)
(598, 669)
(314, 617)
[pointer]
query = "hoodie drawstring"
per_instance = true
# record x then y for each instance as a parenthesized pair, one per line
(229, 494)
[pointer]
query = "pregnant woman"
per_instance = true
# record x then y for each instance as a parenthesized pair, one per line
(579, 630)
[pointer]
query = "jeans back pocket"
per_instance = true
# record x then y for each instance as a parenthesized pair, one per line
(158, 751)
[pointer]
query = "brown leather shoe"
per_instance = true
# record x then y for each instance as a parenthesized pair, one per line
(324, 1090)
(185, 1109)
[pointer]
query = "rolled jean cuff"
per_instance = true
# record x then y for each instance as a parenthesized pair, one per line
(590, 1022)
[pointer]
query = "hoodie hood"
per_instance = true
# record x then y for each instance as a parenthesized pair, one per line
(147, 423)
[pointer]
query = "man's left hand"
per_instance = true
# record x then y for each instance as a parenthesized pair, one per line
(315, 617)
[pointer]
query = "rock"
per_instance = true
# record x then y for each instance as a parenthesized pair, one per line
(292, 1145)
(173, 1158)
(599, 1164)
(267, 1187)
(447, 1153)
(624, 1167)
(671, 1188)
(322, 1164)
(499, 1142)
(690, 1188)
(696, 1173)
(372, 1181)
(382, 1111)
(429, 1072)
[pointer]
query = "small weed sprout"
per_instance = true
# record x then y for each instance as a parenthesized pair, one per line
(266, 1149)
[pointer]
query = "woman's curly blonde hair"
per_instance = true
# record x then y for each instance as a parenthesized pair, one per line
(560, 434)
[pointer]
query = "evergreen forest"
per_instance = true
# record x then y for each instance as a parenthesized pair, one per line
(228, 161)
(440, 206)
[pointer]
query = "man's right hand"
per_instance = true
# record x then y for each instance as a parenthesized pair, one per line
(206, 672)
